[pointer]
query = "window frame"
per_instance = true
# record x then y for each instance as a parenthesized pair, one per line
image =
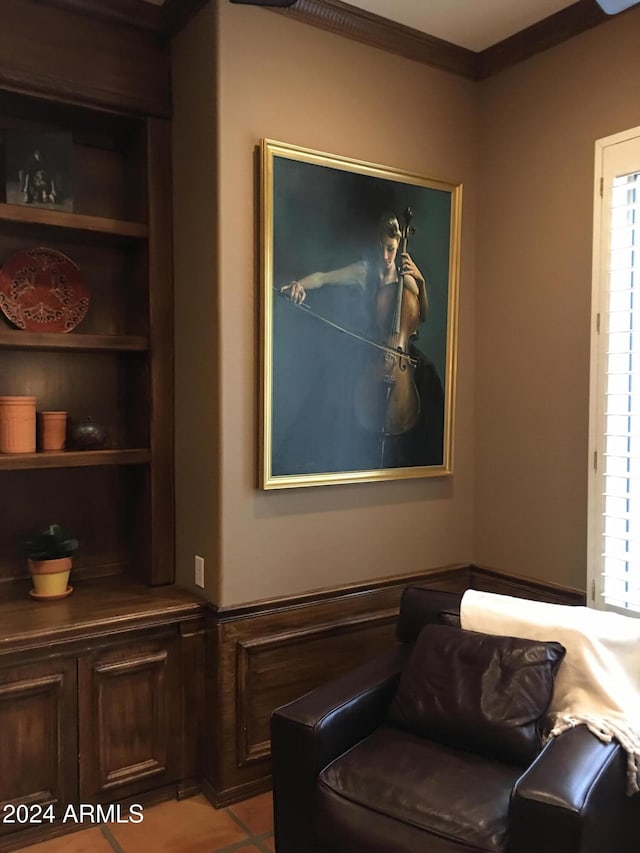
(615, 155)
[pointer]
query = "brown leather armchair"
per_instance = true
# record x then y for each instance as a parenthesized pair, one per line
(348, 780)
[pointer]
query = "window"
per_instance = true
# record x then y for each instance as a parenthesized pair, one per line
(614, 481)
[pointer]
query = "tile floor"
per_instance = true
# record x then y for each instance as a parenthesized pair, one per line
(188, 826)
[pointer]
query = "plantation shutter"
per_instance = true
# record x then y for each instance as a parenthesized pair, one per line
(615, 490)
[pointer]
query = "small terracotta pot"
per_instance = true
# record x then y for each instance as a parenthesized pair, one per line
(17, 424)
(53, 432)
(50, 577)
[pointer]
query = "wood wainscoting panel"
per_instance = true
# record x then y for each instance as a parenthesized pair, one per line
(264, 655)
(490, 580)
(274, 670)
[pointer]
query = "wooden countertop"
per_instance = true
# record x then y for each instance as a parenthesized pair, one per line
(98, 607)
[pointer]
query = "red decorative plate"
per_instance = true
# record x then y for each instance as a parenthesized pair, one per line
(42, 290)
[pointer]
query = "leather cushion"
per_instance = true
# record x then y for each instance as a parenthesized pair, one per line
(395, 791)
(477, 691)
(419, 606)
(449, 617)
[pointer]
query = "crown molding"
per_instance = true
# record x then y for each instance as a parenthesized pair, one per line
(563, 25)
(346, 20)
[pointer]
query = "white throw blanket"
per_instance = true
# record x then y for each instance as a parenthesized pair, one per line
(597, 683)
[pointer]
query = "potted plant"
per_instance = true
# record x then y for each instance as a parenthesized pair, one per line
(49, 555)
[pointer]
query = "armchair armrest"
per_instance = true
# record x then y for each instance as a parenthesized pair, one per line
(309, 733)
(573, 799)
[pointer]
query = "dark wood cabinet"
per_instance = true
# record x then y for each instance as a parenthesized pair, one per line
(130, 717)
(38, 738)
(97, 707)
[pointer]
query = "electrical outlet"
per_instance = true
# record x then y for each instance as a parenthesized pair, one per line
(199, 571)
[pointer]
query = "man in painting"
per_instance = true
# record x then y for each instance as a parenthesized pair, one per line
(397, 395)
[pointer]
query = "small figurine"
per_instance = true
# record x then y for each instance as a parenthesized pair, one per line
(37, 180)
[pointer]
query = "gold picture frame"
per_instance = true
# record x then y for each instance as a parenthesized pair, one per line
(357, 377)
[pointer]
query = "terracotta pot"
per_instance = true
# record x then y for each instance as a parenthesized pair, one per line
(50, 577)
(53, 431)
(17, 424)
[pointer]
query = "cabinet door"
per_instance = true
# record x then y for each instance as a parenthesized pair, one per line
(38, 737)
(129, 718)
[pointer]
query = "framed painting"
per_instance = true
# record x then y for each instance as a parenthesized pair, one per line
(360, 268)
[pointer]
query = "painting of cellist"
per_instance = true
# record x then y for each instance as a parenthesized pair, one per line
(360, 267)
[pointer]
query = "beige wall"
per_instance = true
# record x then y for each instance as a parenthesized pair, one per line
(288, 81)
(539, 122)
(197, 339)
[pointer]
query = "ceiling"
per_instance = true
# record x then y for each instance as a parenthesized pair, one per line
(474, 24)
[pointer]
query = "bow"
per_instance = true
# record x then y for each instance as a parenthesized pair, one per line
(397, 353)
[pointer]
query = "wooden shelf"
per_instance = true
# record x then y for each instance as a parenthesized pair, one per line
(16, 213)
(95, 608)
(74, 459)
(109, 369)
(17, 339)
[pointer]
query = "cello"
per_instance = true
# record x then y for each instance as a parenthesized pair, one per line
(387, 399)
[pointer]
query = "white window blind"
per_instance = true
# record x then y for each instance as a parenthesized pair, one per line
(614, 494)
